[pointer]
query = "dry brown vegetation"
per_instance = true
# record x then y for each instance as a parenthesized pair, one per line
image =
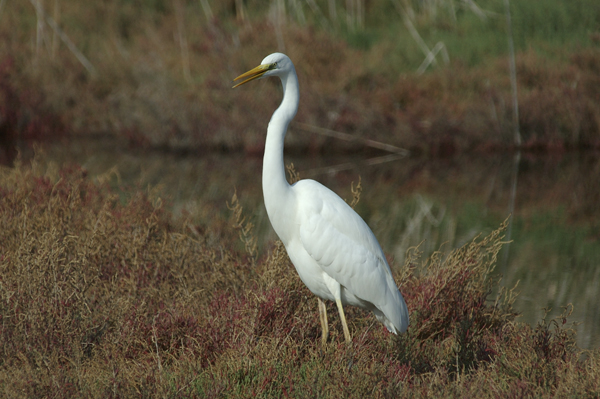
(104, 294)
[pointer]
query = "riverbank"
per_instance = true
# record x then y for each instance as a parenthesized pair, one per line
(158, 75)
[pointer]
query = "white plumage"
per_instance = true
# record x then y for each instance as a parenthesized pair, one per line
(334, 251)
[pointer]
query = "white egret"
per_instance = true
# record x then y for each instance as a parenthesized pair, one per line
(334, 251)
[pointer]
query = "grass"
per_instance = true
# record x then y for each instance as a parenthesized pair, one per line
(104, 294)
(164, 71)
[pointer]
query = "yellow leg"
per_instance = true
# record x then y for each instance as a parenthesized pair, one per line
(323, 317)
(343, 317)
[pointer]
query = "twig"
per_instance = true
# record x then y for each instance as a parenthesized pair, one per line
(39, 30)
(426, 211)
(294, 175)
(207, 10)
(513, 75)
(55, 35)
(431, 57)
(429, 54)
(332, 12)
(278, 10)
(155, 339)
(2, 2)
(511, 204)
(239, 10)
(183, 44)
(453, 11)
(361, 14)
(349, 14)
(295, 4)
(63, 36)
(244, 228)
(476, 9)
(350, 165)
(349, 137)
(315, 8)
(412, 30)
(356, 191)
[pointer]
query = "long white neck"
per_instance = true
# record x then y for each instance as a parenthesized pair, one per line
(276, 189)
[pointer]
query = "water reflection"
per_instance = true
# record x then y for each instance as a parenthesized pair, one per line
(555, 249)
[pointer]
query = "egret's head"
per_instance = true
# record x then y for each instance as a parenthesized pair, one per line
(276, 64)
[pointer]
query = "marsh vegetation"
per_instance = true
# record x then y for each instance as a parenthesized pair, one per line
(124, 272)
(104, 294)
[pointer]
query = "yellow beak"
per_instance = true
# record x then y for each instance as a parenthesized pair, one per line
(254, 73)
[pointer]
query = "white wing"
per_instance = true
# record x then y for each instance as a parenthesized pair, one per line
(342, 244)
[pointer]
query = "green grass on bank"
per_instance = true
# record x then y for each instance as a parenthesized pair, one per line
(473, 38)
(158, 73)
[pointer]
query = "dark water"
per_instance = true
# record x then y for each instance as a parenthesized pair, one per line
(554, 201)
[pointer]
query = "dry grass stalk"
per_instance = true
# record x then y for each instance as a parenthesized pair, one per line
(356, 191)
(244, 228)
(294, 175)
(42, 18)
(182, 38)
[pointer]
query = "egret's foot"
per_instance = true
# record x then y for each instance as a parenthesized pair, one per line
(324, 324)
(343, 318)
